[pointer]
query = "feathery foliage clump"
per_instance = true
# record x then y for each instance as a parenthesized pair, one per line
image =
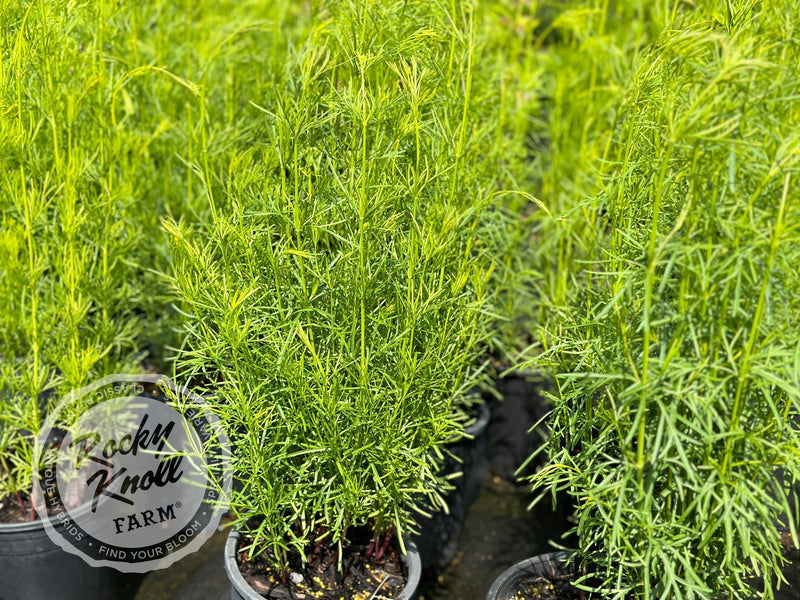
(105, 125)
(677, 357)
(338, 304)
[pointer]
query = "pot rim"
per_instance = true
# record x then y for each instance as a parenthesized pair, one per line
(550, 563)
(22, 527)
(480, 424)
(411, 558)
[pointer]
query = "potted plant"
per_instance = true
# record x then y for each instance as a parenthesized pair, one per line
(337, 306)
(66, 296)
(94, 146)
(675, 358)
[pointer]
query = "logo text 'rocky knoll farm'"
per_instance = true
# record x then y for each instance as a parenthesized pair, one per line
(131, 471)
(168, 469)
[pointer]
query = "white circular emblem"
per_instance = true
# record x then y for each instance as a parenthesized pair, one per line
(134, 478)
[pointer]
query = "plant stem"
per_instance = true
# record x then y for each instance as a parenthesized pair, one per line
(386, 539)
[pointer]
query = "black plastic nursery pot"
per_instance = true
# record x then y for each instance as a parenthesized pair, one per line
(437, 541)
(33, 567)
(547, 566)
(241, 590)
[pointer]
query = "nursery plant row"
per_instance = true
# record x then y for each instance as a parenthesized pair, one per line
(317, 232)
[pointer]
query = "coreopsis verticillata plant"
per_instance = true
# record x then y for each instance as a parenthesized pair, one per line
(676, 354)
(337, 306)
(104, 129)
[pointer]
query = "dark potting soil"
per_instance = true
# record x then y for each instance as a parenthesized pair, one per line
(549, 588)
(360, 578)
(11, 512)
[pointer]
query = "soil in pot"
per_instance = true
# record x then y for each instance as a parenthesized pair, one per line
(547, 576)
(368, 570)
(16, 510)
(549, 588)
